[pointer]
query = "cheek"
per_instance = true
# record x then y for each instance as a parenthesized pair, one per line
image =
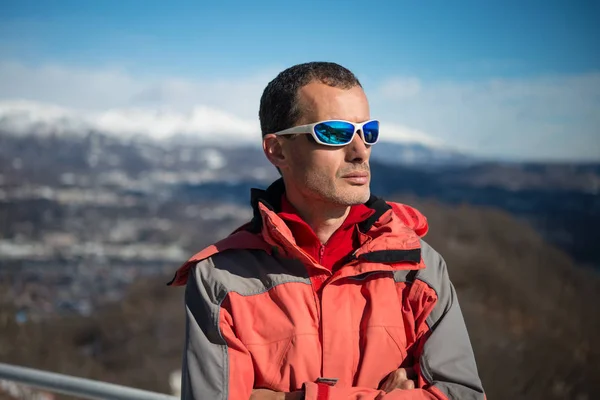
(321, 163)
(299, 162)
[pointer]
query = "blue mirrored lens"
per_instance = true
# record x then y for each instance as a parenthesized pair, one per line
(335, 132)
(371, 131)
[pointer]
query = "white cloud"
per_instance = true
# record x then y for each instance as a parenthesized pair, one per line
(540, 117)
(399, 133)
(554, 117)
(108, 88)
(116, 102)
(400, 88)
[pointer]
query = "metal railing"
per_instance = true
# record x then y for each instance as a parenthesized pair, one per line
(73, 386)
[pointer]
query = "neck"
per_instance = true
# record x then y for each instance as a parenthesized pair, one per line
(324, 218)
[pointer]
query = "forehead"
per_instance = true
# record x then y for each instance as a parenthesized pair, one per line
(318, 101)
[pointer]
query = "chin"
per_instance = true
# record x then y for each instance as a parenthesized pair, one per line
(365, 197)
(355, 195)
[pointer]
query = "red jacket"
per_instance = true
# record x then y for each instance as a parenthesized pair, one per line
(261, 313)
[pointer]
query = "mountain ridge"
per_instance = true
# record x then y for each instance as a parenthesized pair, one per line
(560, 200)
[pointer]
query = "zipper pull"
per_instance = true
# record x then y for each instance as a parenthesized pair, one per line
(321, 253)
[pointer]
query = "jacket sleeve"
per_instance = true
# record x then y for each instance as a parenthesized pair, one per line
(216, 365)
(445, 360)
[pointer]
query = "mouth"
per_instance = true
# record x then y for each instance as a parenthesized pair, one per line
(357, 178)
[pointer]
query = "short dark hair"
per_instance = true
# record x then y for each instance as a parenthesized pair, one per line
(278, 105)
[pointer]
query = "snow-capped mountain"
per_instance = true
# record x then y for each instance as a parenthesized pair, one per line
(203, 123)
(199, 126)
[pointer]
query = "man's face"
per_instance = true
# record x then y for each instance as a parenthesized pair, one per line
(334, 175)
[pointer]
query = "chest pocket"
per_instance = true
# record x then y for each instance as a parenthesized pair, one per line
(385, 326)
(279, 328)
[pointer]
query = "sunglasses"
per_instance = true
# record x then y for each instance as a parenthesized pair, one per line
(337, 132)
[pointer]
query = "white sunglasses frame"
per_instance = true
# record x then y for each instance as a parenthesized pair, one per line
(302, 129)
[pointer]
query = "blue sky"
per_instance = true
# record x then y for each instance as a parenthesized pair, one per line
(504, 79)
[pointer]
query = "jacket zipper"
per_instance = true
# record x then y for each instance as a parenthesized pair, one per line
(320, 297)
(321, 253)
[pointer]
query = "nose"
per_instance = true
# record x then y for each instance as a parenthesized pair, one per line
(357, 151)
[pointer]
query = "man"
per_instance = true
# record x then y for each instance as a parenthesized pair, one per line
(329, 292)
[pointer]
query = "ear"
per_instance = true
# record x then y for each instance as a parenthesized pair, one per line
(273, 150)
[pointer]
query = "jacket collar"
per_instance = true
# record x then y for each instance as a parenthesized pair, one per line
(271, 199)
(385, 238)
